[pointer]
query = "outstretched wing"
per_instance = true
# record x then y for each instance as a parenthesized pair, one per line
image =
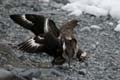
(38, 24)
(33, 45)
(68, 39)
(69, 25)
(66, 29)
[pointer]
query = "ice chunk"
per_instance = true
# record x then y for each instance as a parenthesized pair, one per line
(94, 7)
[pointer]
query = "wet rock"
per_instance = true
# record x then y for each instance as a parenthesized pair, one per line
(1, 2)
(8, 6)
(31, 73)
(82, 72)
(71, 78)
(56, 5)
(3, 60)
(56, 73)
(61, 1)
(93, 46)
(104, 33)
(7, 55)
(111, 23)
(6, 75)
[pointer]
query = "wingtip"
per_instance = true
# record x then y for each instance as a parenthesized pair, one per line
(14, 16)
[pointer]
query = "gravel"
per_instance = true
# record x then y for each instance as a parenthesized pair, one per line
(103, 45)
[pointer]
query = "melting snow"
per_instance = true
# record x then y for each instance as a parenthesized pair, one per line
(95, 7)
(117, 28)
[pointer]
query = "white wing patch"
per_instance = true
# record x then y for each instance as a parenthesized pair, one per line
(30, 46)
(41, 37)
(46, 26)
(25, 19)
(68, 37)
(64, 46)
(33, 43)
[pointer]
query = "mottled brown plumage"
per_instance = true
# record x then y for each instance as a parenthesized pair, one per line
(58, 43)
(70, 45)
(45, 31)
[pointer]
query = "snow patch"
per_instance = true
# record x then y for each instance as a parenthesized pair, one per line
(94, 7)
(117, 28)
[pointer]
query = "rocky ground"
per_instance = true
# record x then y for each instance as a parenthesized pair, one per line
(103, 43)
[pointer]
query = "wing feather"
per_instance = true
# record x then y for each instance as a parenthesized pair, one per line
(32, 46)
(36, 23)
